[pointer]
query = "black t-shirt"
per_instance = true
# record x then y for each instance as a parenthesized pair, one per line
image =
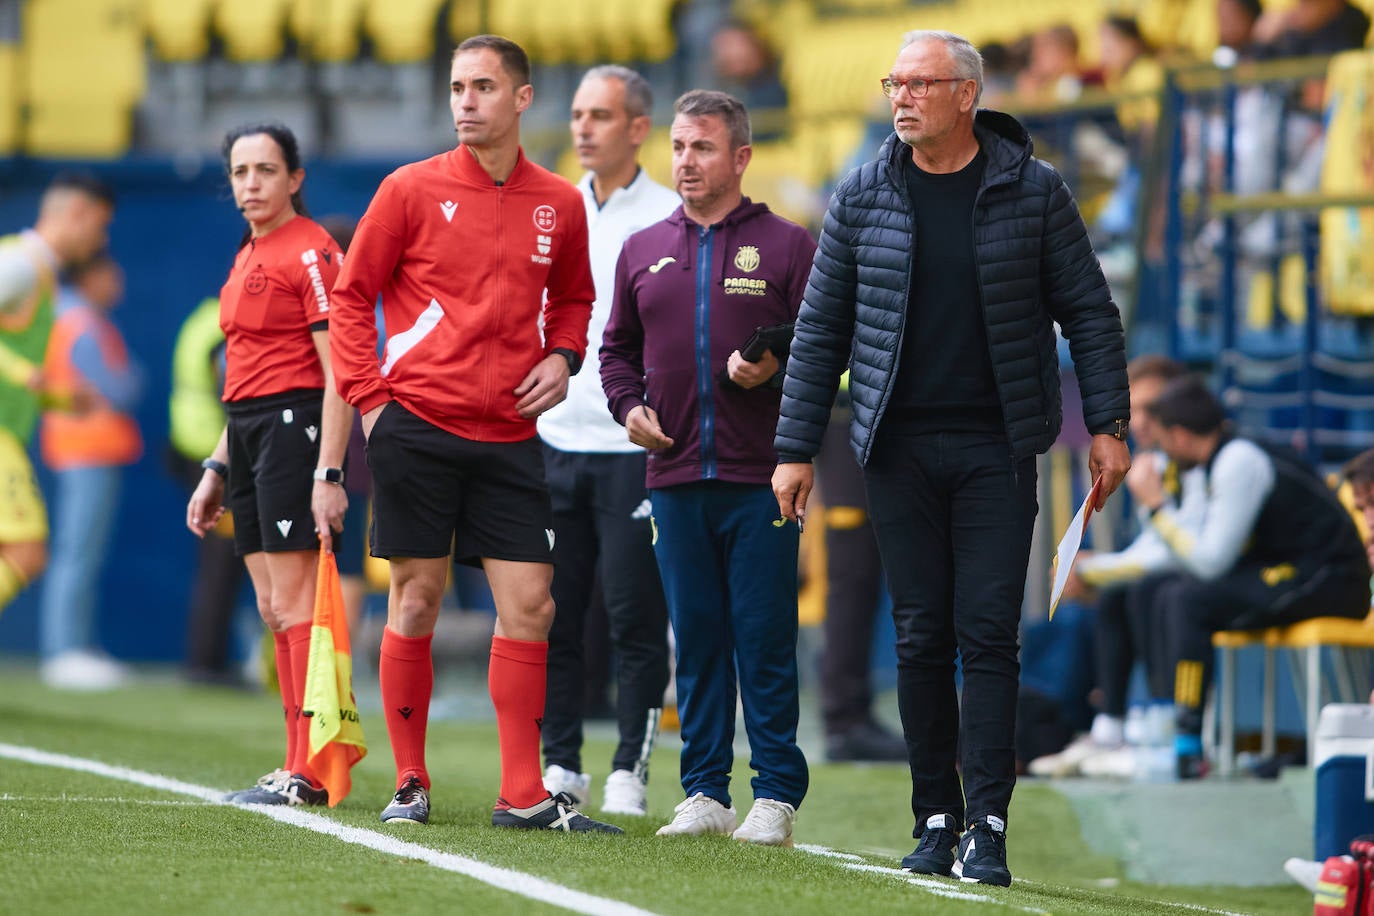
(944, 377)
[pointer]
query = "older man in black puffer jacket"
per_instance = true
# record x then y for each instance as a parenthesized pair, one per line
(942, 269)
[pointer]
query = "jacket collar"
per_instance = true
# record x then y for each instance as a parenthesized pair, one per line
(468, 170)
(1004, 141)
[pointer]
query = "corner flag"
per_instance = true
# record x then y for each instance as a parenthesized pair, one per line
(336, 733)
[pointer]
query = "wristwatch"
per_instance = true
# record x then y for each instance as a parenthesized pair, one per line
(219, 467)
(574, 362)
(330, 475)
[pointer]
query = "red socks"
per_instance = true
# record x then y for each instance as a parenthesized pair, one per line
(289, 706)
(406, 672)
(298, 637)
(517, 681)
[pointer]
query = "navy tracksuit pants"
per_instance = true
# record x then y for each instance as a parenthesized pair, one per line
(730, 578)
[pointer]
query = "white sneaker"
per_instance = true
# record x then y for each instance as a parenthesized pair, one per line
(700, 815)
(769, 823)
(624, 794)
(1067, 761)
(1304, 871)
(577, 786)
(81, 669)
(1119, 763)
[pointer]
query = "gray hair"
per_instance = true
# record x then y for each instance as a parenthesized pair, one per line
(639, 95)
(698, 103)
(968, 63)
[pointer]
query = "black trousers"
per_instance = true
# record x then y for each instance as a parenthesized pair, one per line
(1250, 596)
(954, 514)
(1130, 629)
(602, 529)
(853, 577)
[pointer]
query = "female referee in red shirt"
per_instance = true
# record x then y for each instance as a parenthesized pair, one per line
(282, 450)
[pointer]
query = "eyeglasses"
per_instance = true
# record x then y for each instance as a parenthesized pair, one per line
(918, 86)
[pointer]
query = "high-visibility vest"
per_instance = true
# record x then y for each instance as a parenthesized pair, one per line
(102, 436)
(197, 415)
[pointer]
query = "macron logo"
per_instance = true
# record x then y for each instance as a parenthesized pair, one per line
(284, 526)
(449, 208)
(549, 533)
(662, 263)
(311, 432)
(642, 511)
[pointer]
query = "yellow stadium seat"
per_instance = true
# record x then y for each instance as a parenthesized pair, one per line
(9, 98)
(179, 29)
(83, 66)
(253, 31)
(653, 26)
(516, 20)
(80, 130)
(402, 31)
(328, 30)
(464, 19)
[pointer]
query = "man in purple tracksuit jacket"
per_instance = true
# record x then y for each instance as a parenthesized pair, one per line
(689, 292)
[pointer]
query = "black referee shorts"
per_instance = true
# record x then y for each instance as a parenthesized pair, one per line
(274, 443)
(432, 490)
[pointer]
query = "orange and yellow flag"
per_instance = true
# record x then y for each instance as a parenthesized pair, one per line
(336, 733)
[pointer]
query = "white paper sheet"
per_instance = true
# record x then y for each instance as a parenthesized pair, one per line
(1067, 551)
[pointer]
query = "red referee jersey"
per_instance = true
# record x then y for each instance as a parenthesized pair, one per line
(276, 294)
(462, 265)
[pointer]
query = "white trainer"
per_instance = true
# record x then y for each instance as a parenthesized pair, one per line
(700, 815)
(769, 823)
(624, 794)
(82, 669)
(1068, 761)
(1119, 763)
(577, 786)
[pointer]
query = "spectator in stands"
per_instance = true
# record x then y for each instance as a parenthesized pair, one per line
(689, 292)
(853, 591)
(1124, 583)
(746, 68)
(1236, 20)
(195, 420)
(1053, 73)
(286, 425)
(1002, 65)
(596, 476)
(73, 219)
(952, 402)
(449, 414)
(1275, 546)
(88, 452)
(1311, 27)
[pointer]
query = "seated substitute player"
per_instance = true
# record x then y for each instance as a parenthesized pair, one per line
(1275, 546)
(462, 248)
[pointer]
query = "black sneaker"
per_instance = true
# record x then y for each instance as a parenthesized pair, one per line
(553, 813)
(983, 853)
(1192, 766)
(277, 776)
(410, 804)
(294, 790)
(934, 855)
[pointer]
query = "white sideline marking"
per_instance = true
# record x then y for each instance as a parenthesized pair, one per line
(948, 889)
(109, 800)
(501, 878)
